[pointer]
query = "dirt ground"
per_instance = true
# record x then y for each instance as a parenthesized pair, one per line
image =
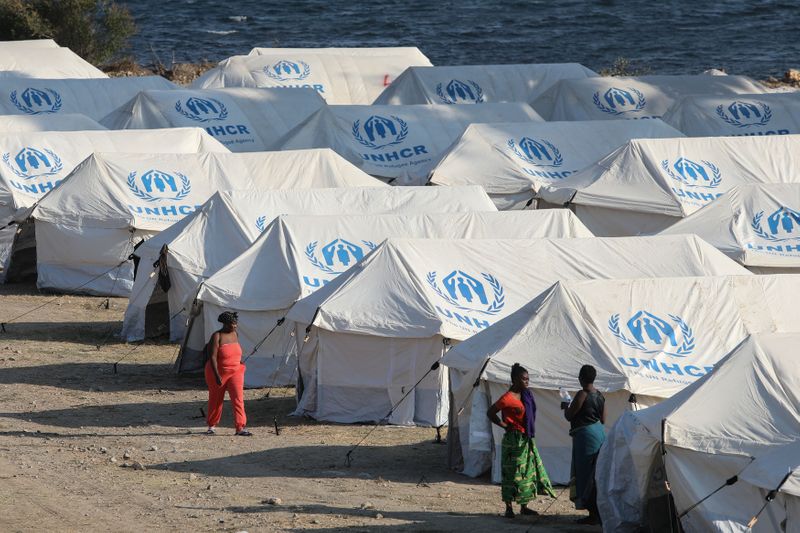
(83, 448)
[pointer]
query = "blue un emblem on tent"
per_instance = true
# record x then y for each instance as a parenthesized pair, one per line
(652, 334)
(618, 101)
(483, 293)
(338, 255)
(704, 174)
(745, 114)
(285, 70)
(36, 101)
(202, 109)
(155, 185)
(32, 163)
(379, 132)
(459, 92)
(781, 225)
(540, 152)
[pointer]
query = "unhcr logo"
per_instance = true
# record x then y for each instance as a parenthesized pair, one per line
(692, 174)
(651, 334)
(459, 92)
(379, 132)
(541, 153)
(616, 101)
(285, 70)
(37, 101)
(782, 225)
(466, 292)
(32, 163)
(202, 109)
(745, 114)
(338, 255)
(157, 185)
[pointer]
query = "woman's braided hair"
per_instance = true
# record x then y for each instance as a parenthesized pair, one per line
(228, 317)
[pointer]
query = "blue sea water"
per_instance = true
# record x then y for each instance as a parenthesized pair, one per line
(756, 37)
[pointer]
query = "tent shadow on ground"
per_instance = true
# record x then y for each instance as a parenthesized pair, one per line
(101, 377)
(426, 520)
(173, 414)
(418, 463)
(85, 333)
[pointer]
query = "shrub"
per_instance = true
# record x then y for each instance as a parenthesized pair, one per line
(623, 67)
(97, 30)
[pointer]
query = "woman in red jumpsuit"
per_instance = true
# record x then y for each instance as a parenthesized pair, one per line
(225, 372)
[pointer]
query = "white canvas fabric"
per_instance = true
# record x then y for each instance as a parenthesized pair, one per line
(641, 97)
(648, 337)
(94, 98)
(513, 161)
(755, 225)
(478, 84)
(90, 223)
(33, 163)
(46, 62)
(315, 251)
(244, 120)
(31, 43)
(748, 407)
(428, 290)
(401, 144)
(339, 75)
(647, 185)
(60, 122)
(205, 241)
(740, 115)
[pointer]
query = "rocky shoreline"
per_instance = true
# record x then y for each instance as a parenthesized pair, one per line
(186, 73)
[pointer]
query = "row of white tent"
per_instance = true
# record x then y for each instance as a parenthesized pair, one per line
(354, 290)
(641, 188)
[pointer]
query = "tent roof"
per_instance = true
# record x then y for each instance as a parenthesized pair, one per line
(400, 142)
(341, 76)
(35, 162)
(470, 84)
(244, 120)
(604, 98)
(517, 157)
(31, 43)
(94, 98)
(756, 225)
(367, 51)
(153, 191)
(60, 122)
(678, 176)
(299, 254)
(46, 62)
(739, 115)
(195, 244)
(769, 469)
(694, 323)
(455, 288)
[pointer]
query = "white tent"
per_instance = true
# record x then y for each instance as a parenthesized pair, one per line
(730, 422)
(756, 225)
(478, 84)
(646, 337)
(94, 98)
(33, 163)
(605, 98)
(31, 43)
(46, 62)
(649, 184)
(340, 75)
(740, 115)
(90, 223)
(205, 241)
(60, 122)
(512, 161)
(422, 292)
(299, 254)
(399, 143)
(244, 120)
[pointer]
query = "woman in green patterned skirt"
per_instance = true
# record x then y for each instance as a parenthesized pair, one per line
(523, 474)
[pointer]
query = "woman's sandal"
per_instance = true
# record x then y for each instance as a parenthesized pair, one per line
(211, 431)
(509, 513)
(244, 433)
